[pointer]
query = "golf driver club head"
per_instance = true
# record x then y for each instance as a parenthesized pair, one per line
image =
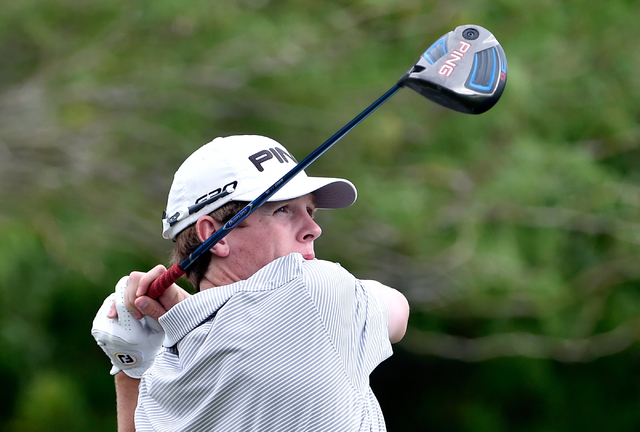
(465, 70)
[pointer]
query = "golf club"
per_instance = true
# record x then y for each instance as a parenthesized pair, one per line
(465, 70)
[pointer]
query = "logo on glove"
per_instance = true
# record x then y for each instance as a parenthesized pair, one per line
(126, 359)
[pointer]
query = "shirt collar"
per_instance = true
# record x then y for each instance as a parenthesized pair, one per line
(190, 313)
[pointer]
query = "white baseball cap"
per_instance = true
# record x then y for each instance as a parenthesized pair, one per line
(241, 168)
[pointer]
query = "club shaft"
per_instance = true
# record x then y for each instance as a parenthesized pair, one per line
(161, 284)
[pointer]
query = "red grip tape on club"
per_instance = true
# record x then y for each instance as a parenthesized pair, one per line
(160, 285)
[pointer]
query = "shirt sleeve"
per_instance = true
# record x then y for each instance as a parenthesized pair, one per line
(355, 317)
(371, 328)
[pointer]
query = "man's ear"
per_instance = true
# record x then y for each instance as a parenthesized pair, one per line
(205, 227)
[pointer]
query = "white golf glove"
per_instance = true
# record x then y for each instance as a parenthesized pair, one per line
(130, 344)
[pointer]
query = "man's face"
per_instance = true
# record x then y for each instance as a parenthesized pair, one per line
(274, 230)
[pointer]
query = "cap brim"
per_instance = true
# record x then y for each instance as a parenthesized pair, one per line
(330, 193)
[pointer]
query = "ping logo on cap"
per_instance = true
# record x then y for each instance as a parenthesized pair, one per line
(262, 156)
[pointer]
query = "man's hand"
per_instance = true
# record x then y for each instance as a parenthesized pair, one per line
(139, 304)
(130, 343)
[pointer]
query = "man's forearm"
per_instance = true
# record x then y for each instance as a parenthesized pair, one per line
(126, 401)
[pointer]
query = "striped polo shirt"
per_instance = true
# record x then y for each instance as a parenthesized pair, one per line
(289, 349)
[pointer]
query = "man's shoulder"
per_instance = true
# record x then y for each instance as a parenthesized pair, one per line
(326, 275)
(294, 264)
(324, 266)
(314, 274)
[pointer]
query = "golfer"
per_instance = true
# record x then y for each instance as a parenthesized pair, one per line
(274, 339)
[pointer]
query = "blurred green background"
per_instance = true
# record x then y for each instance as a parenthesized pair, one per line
(515, 234)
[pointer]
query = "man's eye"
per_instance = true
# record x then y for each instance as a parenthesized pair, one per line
(281, 209)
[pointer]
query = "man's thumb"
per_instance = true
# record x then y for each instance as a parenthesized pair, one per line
(150, 307)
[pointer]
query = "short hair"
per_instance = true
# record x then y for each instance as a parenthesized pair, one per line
(187, 241)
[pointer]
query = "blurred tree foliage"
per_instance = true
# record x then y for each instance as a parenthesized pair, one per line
(514, 234)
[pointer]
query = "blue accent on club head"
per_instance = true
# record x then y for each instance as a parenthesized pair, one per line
(434, 47)
(492, 80)
(503, 61)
